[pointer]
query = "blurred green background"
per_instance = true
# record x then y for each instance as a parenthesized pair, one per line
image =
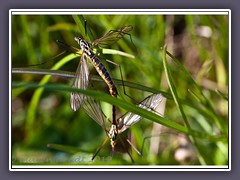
(198, 42)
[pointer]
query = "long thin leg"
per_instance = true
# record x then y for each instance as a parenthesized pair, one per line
(124, 90)
(157, 135)
(101, 146)
(125, 148)
(131, 144)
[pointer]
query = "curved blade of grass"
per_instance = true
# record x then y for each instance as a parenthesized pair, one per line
(113, 51)
(37, 94)
(179, 106)
(38, 71)
(68, 74)
(61, 26)
(173, 89)
(80, 21)
(123, 104)
(222, 95)
(118, 82)
(207, 105)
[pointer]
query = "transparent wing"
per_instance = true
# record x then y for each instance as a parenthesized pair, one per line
(81, 82)
(112, 36)
(150, 103)
(94, 110)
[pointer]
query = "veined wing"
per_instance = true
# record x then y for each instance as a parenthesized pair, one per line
(81, 82)
(112, 36)
(150, 103)
(93, 108)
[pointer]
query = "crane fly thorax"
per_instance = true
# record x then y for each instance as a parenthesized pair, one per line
(112, 133)
(85, 47)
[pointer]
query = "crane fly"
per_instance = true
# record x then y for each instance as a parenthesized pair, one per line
(82, 74)
(118, 126)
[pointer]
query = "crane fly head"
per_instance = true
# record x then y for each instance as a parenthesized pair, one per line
(84, 45)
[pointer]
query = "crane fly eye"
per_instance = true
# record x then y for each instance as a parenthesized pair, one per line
(77, 39)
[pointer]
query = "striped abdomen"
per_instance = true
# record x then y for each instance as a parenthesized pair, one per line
(102, 71)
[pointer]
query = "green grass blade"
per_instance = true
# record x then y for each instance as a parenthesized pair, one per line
(204, 100)
(80, 21)
(37, 94)
(177, 102)
(123, 104)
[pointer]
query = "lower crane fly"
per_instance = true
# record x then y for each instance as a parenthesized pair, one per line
(82, 73)
(93, 109)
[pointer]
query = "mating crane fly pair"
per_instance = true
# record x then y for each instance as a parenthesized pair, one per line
(93, 107)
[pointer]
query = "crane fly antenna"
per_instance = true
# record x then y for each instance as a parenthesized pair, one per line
(54, 57)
